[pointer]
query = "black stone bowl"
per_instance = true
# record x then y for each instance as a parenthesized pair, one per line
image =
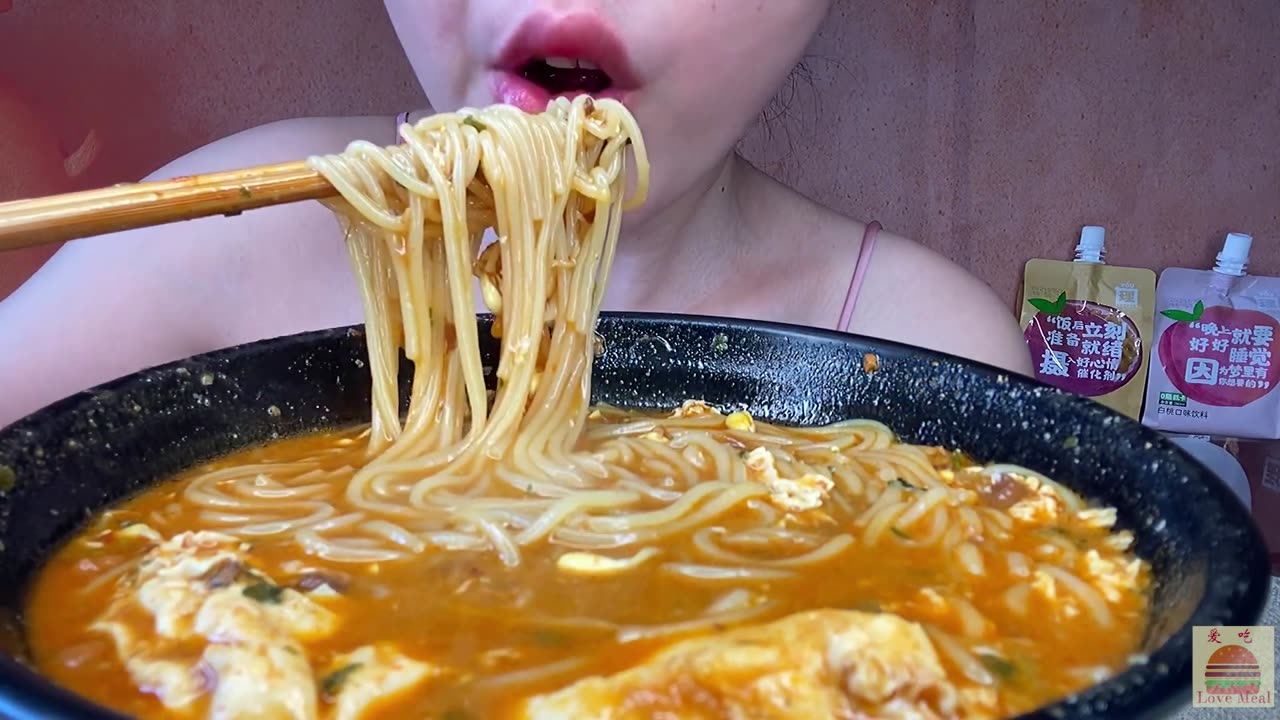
(88, 451)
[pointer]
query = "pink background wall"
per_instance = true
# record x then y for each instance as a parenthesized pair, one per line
(988, 129)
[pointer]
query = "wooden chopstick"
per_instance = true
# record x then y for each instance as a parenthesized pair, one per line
(58, 218)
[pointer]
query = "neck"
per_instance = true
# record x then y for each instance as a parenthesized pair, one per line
(701, 228)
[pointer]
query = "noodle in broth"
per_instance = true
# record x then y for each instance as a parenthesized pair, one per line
(502, 548)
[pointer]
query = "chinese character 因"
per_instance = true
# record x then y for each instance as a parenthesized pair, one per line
(1213, 636)
(1202, 371)
(1245, 637)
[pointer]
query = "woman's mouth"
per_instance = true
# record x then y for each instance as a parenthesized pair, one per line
(565, 75)
(561, 57)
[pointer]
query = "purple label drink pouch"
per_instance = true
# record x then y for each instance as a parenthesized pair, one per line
(1214, 371)
(1086, 326)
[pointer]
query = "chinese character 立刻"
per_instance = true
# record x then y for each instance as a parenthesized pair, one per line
(1113, 331)
(1213, 636)
(1245, 635)
(1241, 336)
(1093, 330)
(1220, 345)
(1261, 335)
(1198, 344)
(1053, 363)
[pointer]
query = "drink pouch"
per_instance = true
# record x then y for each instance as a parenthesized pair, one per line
(1086, 326)
(1213, 371)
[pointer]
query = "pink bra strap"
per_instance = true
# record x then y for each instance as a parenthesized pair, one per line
(859, 272)
(401, 119)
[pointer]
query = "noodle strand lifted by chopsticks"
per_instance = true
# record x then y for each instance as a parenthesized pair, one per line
(552, 187)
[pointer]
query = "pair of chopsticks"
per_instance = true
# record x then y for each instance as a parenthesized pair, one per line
(58, 218)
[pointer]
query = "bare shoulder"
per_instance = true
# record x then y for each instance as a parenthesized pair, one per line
(283, 140)
(105, 307)
(271, 271)
(916, 296)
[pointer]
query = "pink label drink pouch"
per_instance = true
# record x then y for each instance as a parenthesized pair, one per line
(1214, 370)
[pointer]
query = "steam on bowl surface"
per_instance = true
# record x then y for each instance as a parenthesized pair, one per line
(1208, 563)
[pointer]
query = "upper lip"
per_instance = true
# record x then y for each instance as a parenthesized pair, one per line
(579, 36)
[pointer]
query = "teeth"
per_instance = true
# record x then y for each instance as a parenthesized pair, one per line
(565, 63)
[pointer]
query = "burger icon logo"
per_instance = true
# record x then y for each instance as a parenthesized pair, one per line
(1234, 667)
(1232, 670)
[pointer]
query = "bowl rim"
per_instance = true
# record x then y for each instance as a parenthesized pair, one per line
(24, 692)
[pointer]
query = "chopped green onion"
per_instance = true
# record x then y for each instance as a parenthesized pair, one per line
(333, 682)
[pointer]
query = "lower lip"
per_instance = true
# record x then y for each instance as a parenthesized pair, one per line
(512, 89)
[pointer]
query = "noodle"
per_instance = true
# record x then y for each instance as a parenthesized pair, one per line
(711, 573)
(551, 186)
(701, 624)
(530, 676)
(477, 507)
